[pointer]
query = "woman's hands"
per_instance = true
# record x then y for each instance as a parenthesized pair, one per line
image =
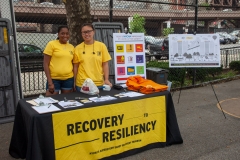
(106, 81)
(51, 88)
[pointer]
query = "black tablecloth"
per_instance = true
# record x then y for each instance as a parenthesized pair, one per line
(32, 136)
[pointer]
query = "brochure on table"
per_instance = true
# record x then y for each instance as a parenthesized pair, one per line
(188, 50)
(46, 108)
(129, 56)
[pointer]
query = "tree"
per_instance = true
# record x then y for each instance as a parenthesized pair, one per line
(77, 13)
(137, 24)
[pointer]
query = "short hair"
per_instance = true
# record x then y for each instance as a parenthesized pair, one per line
(61, 27)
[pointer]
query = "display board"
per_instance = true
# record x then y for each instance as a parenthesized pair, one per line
(129, 56)
(188, 50)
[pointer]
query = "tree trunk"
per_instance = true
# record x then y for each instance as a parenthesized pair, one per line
(77, 13)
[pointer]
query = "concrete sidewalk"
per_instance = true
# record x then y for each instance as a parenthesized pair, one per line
(205, 131)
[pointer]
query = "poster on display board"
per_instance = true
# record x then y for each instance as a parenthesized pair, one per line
(194, 51)
(129, 56)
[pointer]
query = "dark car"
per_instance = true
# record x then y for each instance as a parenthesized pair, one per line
(222, 39)
(153, 42)
(30, 53)
(160, 50)
(229, 38)
(31, 58)
(150, 40)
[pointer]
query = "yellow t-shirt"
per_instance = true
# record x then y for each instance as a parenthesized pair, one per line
(61, 67)
(90, 64)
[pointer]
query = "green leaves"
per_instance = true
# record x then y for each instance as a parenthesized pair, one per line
(137, 24)
(167, 31)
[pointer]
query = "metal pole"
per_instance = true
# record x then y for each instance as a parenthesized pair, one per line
(14, 31)
(195, 32)
(110, 10)
(196, 17)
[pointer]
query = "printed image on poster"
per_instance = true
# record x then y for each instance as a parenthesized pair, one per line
(120, 59)
(131, 70)
(139, 47)
(121, 71)
(120, 48)
(129, 56)
(139, 58)
(129, 48)
(140, 70)
(130, 59)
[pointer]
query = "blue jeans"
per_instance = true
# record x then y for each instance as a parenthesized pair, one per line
(79, 88)
(62, 84)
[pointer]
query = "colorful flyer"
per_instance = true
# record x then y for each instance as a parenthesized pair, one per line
(129, 56)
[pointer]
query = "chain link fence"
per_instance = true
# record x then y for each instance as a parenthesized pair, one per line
(37, 22)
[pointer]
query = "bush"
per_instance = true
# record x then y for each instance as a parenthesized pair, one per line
(167, 31)
(235, 65)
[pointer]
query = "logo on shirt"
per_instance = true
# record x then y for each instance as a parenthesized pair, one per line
(71, 52)
(98, 53)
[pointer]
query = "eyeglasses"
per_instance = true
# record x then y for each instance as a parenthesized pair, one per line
(87, 32)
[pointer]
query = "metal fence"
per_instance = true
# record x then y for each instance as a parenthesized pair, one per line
(34, 79)
(37, 22)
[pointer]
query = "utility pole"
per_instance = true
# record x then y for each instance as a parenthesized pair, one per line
(195, 32)
(110, 10)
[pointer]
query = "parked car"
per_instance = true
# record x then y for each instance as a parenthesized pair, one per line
(229, 38)
(160, 50)
(235, 33)
(222, 39)
(150, 40)
(227, 10)
(30, 53)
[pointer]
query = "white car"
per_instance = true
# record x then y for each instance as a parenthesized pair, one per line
(46, 3)
(226, 10)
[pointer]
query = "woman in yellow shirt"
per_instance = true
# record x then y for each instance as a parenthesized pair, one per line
(91, 59)
(58, 66)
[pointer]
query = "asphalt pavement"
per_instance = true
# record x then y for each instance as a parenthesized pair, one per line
(210, 130)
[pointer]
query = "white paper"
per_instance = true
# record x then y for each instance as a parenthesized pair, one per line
(131, 94)
(46, 108)
(102, 98)
(45, 100)
(69, 104)
(32, 102)
(123, 85)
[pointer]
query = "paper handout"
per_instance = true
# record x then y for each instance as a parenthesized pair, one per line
(46, 108)
(102, 98)
(45, 100)
(69, 104)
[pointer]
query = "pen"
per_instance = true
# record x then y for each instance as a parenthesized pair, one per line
(49, 105)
